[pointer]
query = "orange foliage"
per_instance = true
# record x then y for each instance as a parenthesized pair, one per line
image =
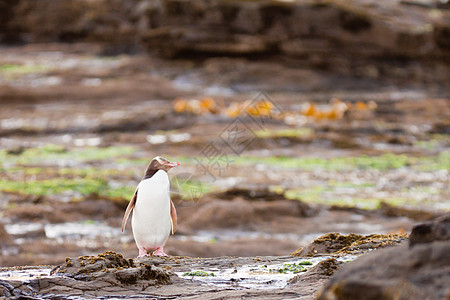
(334, 111)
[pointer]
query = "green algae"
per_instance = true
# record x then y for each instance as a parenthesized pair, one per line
(198, 273)
(384, 162)
(293, 268)
(53, 153)
(287, 132)
(13, 71)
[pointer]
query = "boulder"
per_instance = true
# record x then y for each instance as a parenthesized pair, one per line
(436, 230)
(5, 239)
(418, 271)
(336, 243)
(111, 267)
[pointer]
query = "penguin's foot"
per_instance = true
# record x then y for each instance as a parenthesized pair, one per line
(159, 252)
(142, 252)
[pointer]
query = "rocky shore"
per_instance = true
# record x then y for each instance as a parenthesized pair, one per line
(316, 206)
(363, 38)
(332, 267)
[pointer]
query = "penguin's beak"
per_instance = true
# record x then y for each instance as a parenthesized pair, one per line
(172, 164)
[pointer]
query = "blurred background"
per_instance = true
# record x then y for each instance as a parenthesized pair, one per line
(291, 119)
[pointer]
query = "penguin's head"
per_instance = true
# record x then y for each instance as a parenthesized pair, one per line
(161, 163)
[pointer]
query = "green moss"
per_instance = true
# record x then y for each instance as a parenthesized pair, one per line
(291, 268)
(55, 186)
(432, 163)
(49, 154)
(345, 184)
(119, 192)
(382, 162)
(198, 273)
(289, 132)
(12, 71)
(36, 171)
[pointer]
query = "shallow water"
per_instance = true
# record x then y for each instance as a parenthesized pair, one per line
(256, 276)
(24, 274)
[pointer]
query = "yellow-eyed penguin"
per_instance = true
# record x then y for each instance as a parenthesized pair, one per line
(154, 215)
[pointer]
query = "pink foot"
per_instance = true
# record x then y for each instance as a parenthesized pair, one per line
(142, 252)
(159, 252)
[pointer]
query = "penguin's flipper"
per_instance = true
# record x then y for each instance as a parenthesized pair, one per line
(173, 216)
(128, 210)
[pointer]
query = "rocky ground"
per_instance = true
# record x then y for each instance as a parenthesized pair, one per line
(370, 171)
(285, 134)
(111, 275)
(397, 272)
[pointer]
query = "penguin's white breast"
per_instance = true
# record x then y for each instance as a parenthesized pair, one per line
(151, 216)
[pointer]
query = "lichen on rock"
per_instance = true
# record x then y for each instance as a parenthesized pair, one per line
(115, 267)
(336, 243)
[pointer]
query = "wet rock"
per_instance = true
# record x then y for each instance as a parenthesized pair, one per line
(250, 193)
(56, 212)
(323, 270)
(326, 267)
(422, 272)
(109, 271)
(343, 35)
(6, 289)
(414, 214)
(90, 264)
(402, 272)
(435, 230)
(328, 243)
(111, 266)
(442, 127)
(239, 212)
(5, 239)
(335, 243)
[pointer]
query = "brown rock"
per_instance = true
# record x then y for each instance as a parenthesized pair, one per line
(402, 272)
(436, 230)
(422, 272)
(5, 239)
(112, 268)
(328, 243)
(229, 214)
(335, 243)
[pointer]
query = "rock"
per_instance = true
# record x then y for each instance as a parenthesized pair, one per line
(436, 230)
(239, 212)
(250, 193)
(324, 269)
(328, 243)
(113, 268)
(414, 214)
(346, 36)
(5, 239)
(421, 271)
(336, 243)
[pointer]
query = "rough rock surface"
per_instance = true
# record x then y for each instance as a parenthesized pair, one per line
(360, 37)
(349, 244)
(437, 230)
(110, 275)
(418, 272)
(238, 212)
(5, 239)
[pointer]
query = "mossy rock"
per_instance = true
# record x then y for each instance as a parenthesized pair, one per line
(112, 267)
(336, 243)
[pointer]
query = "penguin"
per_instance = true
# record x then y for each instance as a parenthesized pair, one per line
(154, 214)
